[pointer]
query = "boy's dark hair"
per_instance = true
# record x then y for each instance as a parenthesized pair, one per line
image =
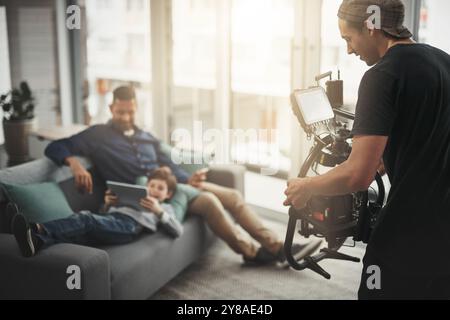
(124, 93)
(162, 174)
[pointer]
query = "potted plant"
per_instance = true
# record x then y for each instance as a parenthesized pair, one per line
(18, 121)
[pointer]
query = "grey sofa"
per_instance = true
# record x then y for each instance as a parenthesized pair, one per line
(133, 271)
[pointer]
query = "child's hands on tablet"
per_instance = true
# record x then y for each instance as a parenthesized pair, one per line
(152, 205)
(110, 198)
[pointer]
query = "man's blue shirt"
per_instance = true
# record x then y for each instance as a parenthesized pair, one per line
(116, 156)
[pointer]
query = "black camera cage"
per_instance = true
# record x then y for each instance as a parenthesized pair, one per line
(359, 229)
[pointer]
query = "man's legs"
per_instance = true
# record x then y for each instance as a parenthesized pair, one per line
(211, 209)
(233, 201)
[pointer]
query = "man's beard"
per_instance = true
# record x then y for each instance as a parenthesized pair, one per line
(128, 130)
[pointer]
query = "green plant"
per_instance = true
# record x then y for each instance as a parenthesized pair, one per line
(18, 104)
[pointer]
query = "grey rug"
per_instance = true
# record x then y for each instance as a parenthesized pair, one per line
(219, 274)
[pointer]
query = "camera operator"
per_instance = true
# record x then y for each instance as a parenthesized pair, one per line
(402, 116)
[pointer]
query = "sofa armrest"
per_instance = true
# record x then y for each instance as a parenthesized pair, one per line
(45, 276)
(231, 176)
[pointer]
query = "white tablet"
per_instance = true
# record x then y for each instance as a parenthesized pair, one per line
(129, 194)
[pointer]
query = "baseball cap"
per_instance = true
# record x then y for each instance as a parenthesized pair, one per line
(392, 15)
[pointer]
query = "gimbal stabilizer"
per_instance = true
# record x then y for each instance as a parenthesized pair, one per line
(333, 218)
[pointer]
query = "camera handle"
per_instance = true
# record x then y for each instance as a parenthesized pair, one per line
(309, 262)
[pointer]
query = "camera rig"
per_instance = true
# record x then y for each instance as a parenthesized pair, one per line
(334, 218)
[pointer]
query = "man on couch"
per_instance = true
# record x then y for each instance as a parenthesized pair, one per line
(122, 152)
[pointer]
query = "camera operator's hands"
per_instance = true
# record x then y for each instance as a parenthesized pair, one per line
(298, 194)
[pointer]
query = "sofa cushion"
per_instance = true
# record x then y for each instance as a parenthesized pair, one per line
(140, 268)
(181, 199)
(40, 202)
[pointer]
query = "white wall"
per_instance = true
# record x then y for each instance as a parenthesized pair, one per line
(438, 24)
(5, 76)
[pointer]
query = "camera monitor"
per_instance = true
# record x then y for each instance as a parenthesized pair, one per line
(311, 107)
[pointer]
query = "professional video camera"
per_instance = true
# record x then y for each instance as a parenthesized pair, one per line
(333, 218)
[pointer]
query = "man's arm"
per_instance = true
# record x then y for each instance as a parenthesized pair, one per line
(78, 145)
(63, 152)
(83, 179)
(376, 112)
(356, 174)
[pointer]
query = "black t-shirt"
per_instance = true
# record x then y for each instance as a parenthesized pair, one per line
(406, 97)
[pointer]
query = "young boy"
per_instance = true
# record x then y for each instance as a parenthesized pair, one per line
(120, 225)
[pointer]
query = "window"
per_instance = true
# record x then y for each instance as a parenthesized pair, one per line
(334, 54)
(135, 5)
(234, 57)
(194, 64)
(119, 53)
(5, 79)
(262, 33)
(434, 23)
(260, 69)
(103, 4)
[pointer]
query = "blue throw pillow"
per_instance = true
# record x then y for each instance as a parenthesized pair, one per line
(41, 202)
